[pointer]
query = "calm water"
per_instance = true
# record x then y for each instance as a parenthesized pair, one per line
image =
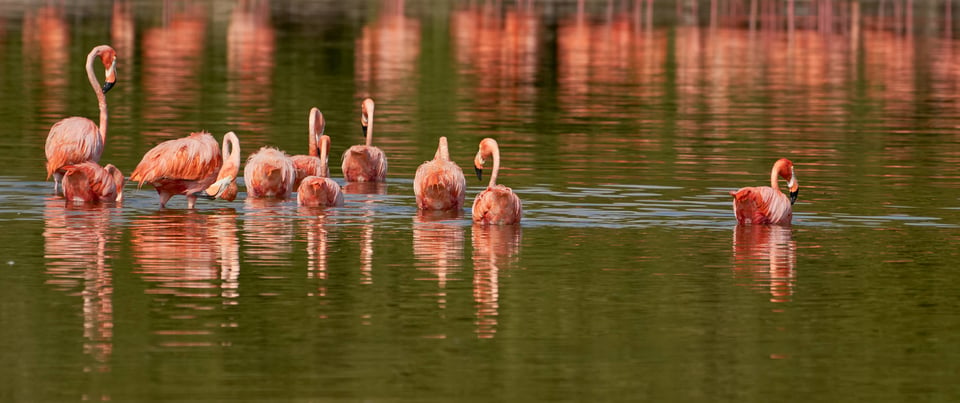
(628, 278)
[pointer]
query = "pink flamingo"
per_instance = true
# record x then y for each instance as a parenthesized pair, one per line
(319, 190)
(269, 173)
(439, 184)
(184, 166)
(225, 187)
(496, 204)
(77, 139)
(89, 182)
(309, 165)
(767, 204)
(365, 163)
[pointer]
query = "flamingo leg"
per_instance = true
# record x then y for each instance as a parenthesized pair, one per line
(191, 201)
(164, 197)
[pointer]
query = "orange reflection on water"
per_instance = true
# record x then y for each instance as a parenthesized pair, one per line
(46, 42)
(316, 229)
(766, 255)
(493, 246)
(438, 247)
(172, 59)
(267, 234)
(79, 244)
(250, 62)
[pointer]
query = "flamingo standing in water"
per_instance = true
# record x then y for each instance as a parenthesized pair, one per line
(186, 166)
(89, 182)
(767, 204)
(365, 163)
(496, 204)
(320, 190)
(269, 173)
(77, 139)
(439, 184)
(310, 165)
(225, 187)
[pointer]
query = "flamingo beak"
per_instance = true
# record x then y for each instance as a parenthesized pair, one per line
(111, 77)
(217, 188)
(363, 129)
(479, 172)
(794, 188)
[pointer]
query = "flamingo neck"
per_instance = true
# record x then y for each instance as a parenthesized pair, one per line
(230, 141)
(324, 146)
(370, 132)
(101, 97)
(773, 177)
(496, 166)
(313, 138)
(443, 152)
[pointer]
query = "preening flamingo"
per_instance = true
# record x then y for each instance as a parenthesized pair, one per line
(496, 204)
(439, 184)
(89, 182)
(225, 187)
(365, 163)
(269, 173)
(319, 190)
(767, 204)
(77, 139)
(309, 165)
(184, 166)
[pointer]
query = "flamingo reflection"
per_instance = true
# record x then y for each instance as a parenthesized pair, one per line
(766, 254)
(79, 244)
(370, 191)
(46, 41)
(493, 246)
(316, 229)
(268, 236)
(438, 247)
(250, 62)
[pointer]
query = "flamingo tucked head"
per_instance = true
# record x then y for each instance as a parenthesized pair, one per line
(109, 58)
(117, 180)
(366, 114)
(784, 169)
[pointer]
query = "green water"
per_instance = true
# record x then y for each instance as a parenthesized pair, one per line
(628, 278)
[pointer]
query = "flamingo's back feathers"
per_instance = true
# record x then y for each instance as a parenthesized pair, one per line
(193, 158)
(439, 185)
(364, 164)
(70, 141)
(497, 205)
(761, 205)
(89, 182)
(269, 173)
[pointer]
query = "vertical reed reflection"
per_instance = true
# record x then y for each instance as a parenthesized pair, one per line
(493, 245)
(189, 259)
(250, 63)
(766, 255)
(438, 247)
(370, 189)
(46, 43)
(79, 244)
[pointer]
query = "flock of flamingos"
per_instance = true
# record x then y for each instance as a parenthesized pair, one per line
(194, 167)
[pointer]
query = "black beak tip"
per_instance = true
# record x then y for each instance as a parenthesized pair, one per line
(479, 173)
(204, 195)
(107, 86)
(793, 197)
(364, 130)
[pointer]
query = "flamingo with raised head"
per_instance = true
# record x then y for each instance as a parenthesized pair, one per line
(89, 182)
(77, 139)
(439, 183)
(319, 190)
(365, 163)
(269, 173)
(309, 165)
(767, 204)
(225, 187)
(186, 166)
(497, 204)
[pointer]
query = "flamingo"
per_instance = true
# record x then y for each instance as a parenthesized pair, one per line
(319, 190)
(225, 187)
(496, 204)
(767, 204)
(77, 139)
(309, 165)
(269, 173)
(89, 182)
(365, 163)
(184, 166)
(439, 184)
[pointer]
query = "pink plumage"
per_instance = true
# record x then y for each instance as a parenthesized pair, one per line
(269, 173)
(365, 163)
(439, 183)
(184, 166)
(767, 204)
(497, 204)
(310, 165)
(89, 182)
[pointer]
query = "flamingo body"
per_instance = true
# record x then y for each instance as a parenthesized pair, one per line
(184, 166)
(439, 184)
(767, 204)
(364, 162)
(77, 139)
(497, 204)
(307, 165)
(315, 191)
(269, 173)
(90, 183)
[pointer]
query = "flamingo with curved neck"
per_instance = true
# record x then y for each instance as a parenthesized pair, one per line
(497, 204)
(225, 187)
(310, 165)
(77, 139)
(767, 204)
(365, 163)
(320, 190)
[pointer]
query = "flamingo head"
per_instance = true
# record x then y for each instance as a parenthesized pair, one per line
(486, 150)
(785, 171)
(109, 59)
(224, 188)
(366, 114)
(117, 179)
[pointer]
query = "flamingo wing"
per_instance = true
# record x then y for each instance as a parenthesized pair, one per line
(193, 158)
(315, 191)
(70, 141)
(269, 172)
(761, 205)
(439, 185)
(364, 164)
(497, 205)
(306, 165)
(88, 182)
